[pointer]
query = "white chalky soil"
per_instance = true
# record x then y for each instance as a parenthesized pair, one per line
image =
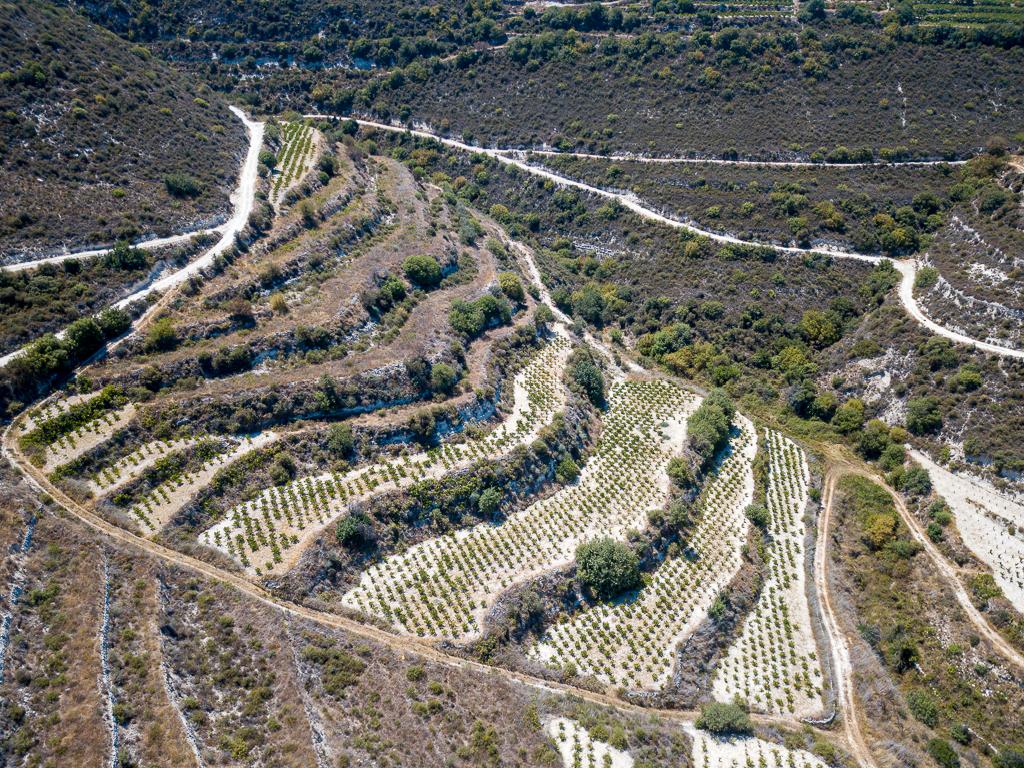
(88, 436)
(270, 532)
(746, 752)
(773, 664)
(985, 519)
(578, 750)
(444, 587)
(157, 509)
(632, 643)
(129, 467)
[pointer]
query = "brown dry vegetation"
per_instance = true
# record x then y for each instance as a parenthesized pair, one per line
(921, 670)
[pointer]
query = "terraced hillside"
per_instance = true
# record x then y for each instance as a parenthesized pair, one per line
(607, 385)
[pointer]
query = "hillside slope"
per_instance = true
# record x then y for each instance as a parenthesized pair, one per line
(92, 128)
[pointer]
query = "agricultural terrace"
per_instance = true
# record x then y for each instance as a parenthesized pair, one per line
(51, 409)
(773, 665)
(60, 432)
(268, 533)
(121, 472)
(578, 750)
(632, 643)
(158, 508)
(444, 586)
(294, 160)
(745, 752)
(990, 524)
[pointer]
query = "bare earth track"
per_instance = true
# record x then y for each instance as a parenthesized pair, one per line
(907, 268)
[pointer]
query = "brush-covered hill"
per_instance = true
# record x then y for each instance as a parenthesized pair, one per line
(99, 139)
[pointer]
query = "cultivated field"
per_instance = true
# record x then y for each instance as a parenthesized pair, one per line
(713, 752)
(773, 665)
(267, 534)
(579, 750)
(990, 524)
(294, 160)
(445, 586)
(633, 642)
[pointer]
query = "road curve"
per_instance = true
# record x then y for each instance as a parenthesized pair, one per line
(242, 200)
(160, 242)
(907, 268)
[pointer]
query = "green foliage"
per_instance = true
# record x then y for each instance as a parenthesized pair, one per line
(926, 278)
(943, 754)
(923, 707)
(340, 440)
(123, 257)
(512, 287)
(915, 482)
(355, 531)
(607, 567)
(679, 473)
(567, 470)
(924, 415)
(708, 428)
(819, 328)
(161, 336)
(724, 719)
(183, 185)
(443, 378)
(758, 514)
(423, 271)
(587, 376)
(471, 318)
(489, 502)
(849, 416)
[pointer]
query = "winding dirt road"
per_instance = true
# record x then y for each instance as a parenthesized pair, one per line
(242, 200)
(840, 647)
(246, 188)
(907, 268)
(677, 160)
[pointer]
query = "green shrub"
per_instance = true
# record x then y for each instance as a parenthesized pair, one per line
(758, 514)
(489, 502)
(183, 185)
(443, 378)
(340, 440)
(511, 287)
(161, 336)
(567, 470)
(607, 567)
(724, 719)
(923, 415)
(708, 428)
(354, 531)
(587, 376)
(943, 754)
(923, 707)
(423, 271)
